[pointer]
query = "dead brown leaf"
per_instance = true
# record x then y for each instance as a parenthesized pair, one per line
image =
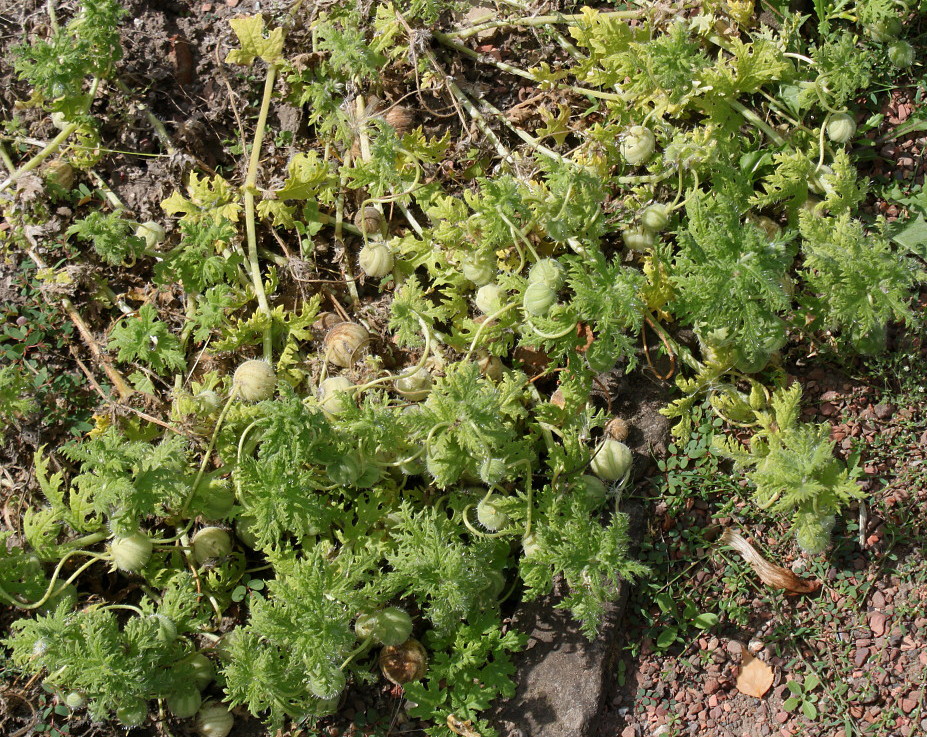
(755, 676)
(772, 575)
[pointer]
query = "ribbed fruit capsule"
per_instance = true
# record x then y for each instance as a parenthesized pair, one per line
(255, 381)
(638, 238)
(400, 118)
(415, 387)
(132, 552)
(612, 460)
(153, 233)
(369, 221)
(638, 145)
(344, 343)
(404, 663)
(655, 218)
(211, 542)
(489, 513)
(547, 271)
(390, 626)
(376, 260)
(333, 402)
(214, 720)
(59, 172)
(75, 700)
(591, 488)
(840, 127)
(901, 54)
(184, 704)
(477, 270)
(132, 713)
(488, 299)
(538, 298)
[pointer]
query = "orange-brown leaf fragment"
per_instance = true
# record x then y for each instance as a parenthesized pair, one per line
(755, 676)
(772, 575)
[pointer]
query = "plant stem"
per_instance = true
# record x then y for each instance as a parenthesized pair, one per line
(540, 20)
(52, 146)
(449, 42)
(250, 189)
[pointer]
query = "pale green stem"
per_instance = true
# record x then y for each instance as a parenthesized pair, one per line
(249, 190)
(482, 327)
(208, 453)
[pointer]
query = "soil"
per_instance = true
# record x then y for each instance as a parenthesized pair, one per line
(866, 628)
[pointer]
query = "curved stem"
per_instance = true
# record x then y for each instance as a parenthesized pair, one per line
(550, 336)
(356, 651)
(482, 327)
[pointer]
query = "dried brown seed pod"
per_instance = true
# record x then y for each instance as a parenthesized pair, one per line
(404, 663)
(490, 366)
(369, 221)
(617, 429)
(400, 118)
(344, 343)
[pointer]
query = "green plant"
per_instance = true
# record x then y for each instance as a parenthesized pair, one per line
(802, 697)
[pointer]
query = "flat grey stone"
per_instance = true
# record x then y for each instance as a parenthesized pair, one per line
(561, 676)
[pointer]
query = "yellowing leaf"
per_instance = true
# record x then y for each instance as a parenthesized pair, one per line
(556, 126)
(755, 676)
(307, 176)
(250, 32)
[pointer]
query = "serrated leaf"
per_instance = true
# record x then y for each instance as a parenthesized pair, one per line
(254, 43)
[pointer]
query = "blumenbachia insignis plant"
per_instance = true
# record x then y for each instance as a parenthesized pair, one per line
(388, 473)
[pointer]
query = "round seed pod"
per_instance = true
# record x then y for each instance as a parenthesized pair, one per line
(638, 238)
(477, 270)
(211, 542)
(184, 704)
(153, 233)
(255, 381)
(530, 545)
(167, 629)
(200, 669)
(75, 700)
(214, 720)
(332, 403)
(612, 461)
(638, 145)
(490, 515)
(885, 29)
(766, 224)
(840, 127)
(132, 552)
(415, 387)
(901, 54)
(617, 429)
(655, 218)
(401, 118)
(538, 298)
(369, 221)
(376, 260)
(547, 271)
(59, 173)
(488, 299)
(132, 713)
(404, 663)
(344, 343)
(391, 626)
(591, 488)
(490, 366)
